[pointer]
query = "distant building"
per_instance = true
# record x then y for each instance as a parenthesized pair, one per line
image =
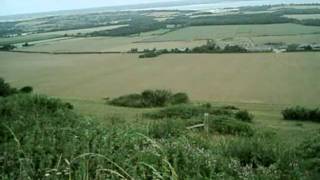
(316, 47)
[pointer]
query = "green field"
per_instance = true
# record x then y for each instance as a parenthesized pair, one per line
(304, 16)
(289, 78)
(259, 34)
(244, 35)
(227, 31)
(122, 44)
(51, 35)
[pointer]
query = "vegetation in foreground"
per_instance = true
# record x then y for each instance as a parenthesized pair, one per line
(42, 138)
(7, 90)
(150, 98)
(301, 113)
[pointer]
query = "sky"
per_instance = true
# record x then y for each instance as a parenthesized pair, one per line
(9, 7)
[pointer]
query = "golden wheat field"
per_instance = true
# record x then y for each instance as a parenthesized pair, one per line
(288, 78)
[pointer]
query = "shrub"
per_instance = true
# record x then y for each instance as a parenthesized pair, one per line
(229, 107)
(26, 44)
(228, 125)
(156, 98)
(234, 49)
(6, 89)
(16, 103)
(150, 98)
(180, 98)
(26, 89)
(7, 47)
(149, 54)
(244, 115)
(131, 100)
(301, 113)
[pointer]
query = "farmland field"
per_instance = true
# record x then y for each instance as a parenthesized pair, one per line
(51, 35)
(254, 78)
(304, 16)
(122, 44)
(188, 38)
(232, 31)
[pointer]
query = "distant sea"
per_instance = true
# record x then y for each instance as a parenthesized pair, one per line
(232, 4)
(216, 6)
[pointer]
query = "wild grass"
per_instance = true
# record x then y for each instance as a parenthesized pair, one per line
(42, 138)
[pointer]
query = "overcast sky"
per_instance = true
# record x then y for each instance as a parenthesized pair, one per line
(8, 7)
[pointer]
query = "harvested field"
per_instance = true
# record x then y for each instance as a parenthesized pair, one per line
(289, 78)
(52, 35)
(122, 44)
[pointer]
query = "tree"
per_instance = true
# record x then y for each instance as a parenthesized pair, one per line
(7, 47)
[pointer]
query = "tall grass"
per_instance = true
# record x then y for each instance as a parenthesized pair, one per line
(42, 138)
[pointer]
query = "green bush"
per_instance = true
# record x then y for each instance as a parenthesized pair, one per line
(150, 98)
(301, 113)
(131, 100)
(156, 98)
(244, 115)
(7, 47)
(229, 107)
(26, 89)
(180, 98)
(6, 89)
(234, 49)
(149, 54)
(16, 103)
(228, 125)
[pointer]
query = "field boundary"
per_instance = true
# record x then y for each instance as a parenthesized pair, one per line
(74, 52)
(120, 52)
